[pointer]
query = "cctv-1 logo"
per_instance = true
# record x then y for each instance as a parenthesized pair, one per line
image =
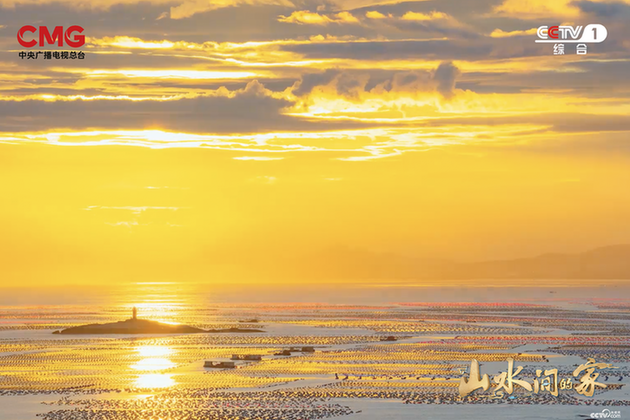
(57, 36)
(592, 33)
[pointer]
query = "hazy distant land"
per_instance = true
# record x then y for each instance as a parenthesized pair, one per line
(610, 262)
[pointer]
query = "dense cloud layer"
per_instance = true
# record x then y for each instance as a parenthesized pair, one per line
(316, 67)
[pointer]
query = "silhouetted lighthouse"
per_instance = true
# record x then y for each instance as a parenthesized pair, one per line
(135, 313)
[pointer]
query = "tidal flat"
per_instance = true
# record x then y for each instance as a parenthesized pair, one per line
(367, 361)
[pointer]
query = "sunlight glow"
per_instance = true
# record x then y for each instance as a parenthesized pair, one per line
(176, 74)
(154, 351)
(155, 358)
(153, 364)
(155, 380)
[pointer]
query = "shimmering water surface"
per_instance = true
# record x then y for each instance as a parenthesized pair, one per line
(436, 332)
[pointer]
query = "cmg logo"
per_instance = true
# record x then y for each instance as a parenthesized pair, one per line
(58, 36)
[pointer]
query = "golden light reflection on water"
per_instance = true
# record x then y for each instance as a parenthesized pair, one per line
(162, 303)
(154, 351)
(155, 380)
(167, 303)
(155, 360)
(152, 360)
(154, 363)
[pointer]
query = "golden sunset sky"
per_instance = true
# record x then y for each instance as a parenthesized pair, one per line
(260, 140)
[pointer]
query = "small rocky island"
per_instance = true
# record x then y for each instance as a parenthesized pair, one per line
(145, 326)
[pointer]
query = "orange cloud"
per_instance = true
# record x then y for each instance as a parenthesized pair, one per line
(537, 9)
(373, 14)
(498, 33)
(424, 16)
(305, 17)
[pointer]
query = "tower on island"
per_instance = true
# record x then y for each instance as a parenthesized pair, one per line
(135, 313)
